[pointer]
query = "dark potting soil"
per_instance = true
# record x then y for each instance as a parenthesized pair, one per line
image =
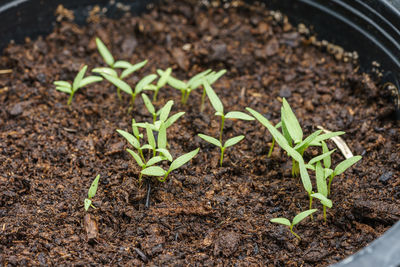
(203, 214)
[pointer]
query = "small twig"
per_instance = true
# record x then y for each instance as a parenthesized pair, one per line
(6, 71)
(148, 196)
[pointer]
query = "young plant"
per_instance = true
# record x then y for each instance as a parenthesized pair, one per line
(78, 83)
(91, 193)
(298, 218)
(177, 163)
(164, 75)
(210, 78)
(322, 188)
(140, 86)
(120, 64)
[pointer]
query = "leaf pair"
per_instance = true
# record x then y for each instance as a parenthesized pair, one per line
(230, 142)
(79, 82)
(91, 193)
(297, 219)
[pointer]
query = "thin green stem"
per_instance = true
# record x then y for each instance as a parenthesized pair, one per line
(310, 205)
(155, 94)
(203, 98)
(222, 156)
(329, 184)
(154, 117)
(222, 128)
(119, 93)
(296, 235)
(187, 95)
(183, 97)
(324, 209)
(271, 148)
(70, 98)
(141, 154)
(140, 178)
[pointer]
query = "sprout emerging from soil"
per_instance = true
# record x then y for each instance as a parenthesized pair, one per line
(78, 83)
(120, 64)
(91, 193)
(298, 218)
(219, 108)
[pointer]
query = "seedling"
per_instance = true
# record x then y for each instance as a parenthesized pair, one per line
(322, 188)
(196, 81)
(120, 64)
(78, 83)
(230, 142)
(91, 193)
(298, 218)
(177, 163)
(164, 75)
(140, 86)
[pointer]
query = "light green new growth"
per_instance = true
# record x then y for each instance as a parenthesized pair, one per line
(164, 75)
(298, 218)
(78, 83)
(219, 108)
(177, 163)
(120, 64)
(91, 193)
(196, 81)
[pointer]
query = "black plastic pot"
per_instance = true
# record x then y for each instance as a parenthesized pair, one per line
(370, 27)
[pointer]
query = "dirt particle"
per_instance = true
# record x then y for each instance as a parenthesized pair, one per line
(227, 243)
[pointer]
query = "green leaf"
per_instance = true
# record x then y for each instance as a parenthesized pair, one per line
(306, 142)
(285, 131)
(214, 99)
(164, 78)
(105, 70)
(135, 129)
(344, 165)
(327, 172)
(177, 84)
(162, 136)
(291, 122)
(104, 52)
(326, 136)
(88, 80)
(130, 138)
(310, 167)
(145, 81)
(136, 157)
(210, 139)
(302, 215)
(132, 69)
(327, 160)
(305, 178)
(321, 157)
(238, 115)
(233, 141)
(165, 110)
(174, 118)
(62, 84)
(78, 78)
(147, 146)
(154, 160)
(324, 200)
(320, 178)
(150, 87)
(88, 202)
(148, 104)
(64, 89)
(150, 136)
(153, 171)
(122, 64)
(119, 83)
(165, 153)
(93, 188)
(196, 80)
(283, 221)
(183, 160)
(213, 77)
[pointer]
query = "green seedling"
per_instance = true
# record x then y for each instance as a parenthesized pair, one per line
(120, 64)
(164, 75)
(298, 218)
(322, 188)
(230, 142)
(177, 163)
(196, 81)
(91, 193)
(283, 143)
(78, 83)
(210, 78)
(140, 86)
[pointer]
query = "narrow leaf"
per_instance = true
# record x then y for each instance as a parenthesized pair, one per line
(291, 122)
(211, 78)
(104, 52)
(320, 179)
(174, 118)
(165, 110)
(150, 136)
(132, 69)
(88, 80)
(130, 138)
(119, 83)
(306, 142)
(136, 157)
(135, 129)
(154, 160)
(302, 215)
(165, 153)
(122, 64)
(210, 139)
(164, 78)
(238, 115)
(321, 157)
(145, 81)
(194, 81)
(183, 160)
(325, 136)
(153, 171)
(233, 141)
(324, 200)
(327, 160)
(148, 104)
(79, 78)
(177, 84)
(214, 99)
(283, 221)
(104, 70)
(93, 188)
(344, 165)
(62, 84)
(64, 89)
(162, 136)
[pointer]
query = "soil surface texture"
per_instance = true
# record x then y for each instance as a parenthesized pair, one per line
(203, 214)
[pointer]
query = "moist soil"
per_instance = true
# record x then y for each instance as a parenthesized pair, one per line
(203, 214)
